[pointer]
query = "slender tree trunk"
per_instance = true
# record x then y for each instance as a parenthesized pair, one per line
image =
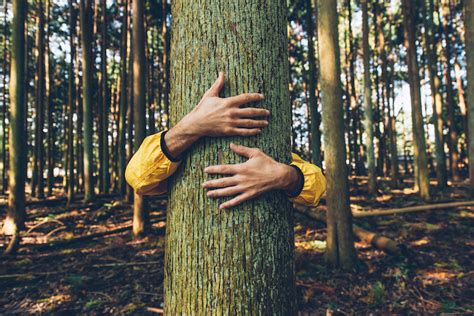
(469, 27)
(452, 132)
(5, 65)
(369, 115)
(436, 97)
(123, 102)
(16, 214)
(130, 192)
(140, 216)
(340, 245)
(419, 144)
(104, 164)
(87, 92)
(166, 63)
(71, 103)
(238, 261)
(313, 105)
(49, 105)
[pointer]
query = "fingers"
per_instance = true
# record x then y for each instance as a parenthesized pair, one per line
(245, 131)
(248, 123)
(252, 112)
(222, 169)
(220, 183)
(236, 201)
(230, 191)
(245, 98)
(243, 151)
(216, 88)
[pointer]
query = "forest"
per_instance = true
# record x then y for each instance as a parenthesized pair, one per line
(379, 95)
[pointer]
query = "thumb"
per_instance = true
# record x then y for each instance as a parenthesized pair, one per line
(216, 86)
(242, 150)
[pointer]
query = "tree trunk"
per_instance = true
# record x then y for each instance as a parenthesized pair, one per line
(16, 214)
(237, 261)
(419, 145)
(104, 164)
(6, 49)
(38, 189)
(166, 62)
(469, 27)
(340, 246)
(312, 104)
(452, 132)
(368, 110)
(71, 102)
(87, 92)
(123, 102)
(49, 105)
(436, 97)
(140, 218)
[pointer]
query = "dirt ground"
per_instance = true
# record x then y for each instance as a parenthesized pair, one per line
(114, 274)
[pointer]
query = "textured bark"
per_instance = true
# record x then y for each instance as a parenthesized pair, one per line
(87, 86)
(140, 218)
(49, 104)
(313, 105)
(436, 97)
(123, 102)
(368, 110)
(14, 221)
(469, 27)
(340, 246)
(419, 143)
(235, 261)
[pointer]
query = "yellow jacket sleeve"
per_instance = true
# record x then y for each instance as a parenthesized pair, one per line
(314, 182)
(149, 168)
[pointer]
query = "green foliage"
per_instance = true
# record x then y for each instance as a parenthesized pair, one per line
(377, 294)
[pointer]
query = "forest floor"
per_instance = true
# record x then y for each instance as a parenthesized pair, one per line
(55, 272)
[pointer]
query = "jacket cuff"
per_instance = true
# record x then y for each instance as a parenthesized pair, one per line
(300, 185)
(165, 149)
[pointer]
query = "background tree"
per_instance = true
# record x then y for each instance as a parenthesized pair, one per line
(16, 214)
(340, 245)
(469, 27)
(258, 276)
(419, 144)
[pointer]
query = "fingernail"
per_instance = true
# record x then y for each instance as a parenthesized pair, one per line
(268, 112)
(262, 96)
(221, 207)
(266, 122)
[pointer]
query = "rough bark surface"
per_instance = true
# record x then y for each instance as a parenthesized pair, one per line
(236, 261)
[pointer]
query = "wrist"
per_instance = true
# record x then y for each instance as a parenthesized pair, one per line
(288, 178)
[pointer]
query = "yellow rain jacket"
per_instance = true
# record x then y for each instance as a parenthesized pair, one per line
(148, 171)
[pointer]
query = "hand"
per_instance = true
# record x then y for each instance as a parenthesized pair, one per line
(258, 175)
(215, 116)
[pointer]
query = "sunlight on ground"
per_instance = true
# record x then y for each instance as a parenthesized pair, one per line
(313, 245)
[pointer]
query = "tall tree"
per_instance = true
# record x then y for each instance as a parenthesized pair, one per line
(123, 101)
(140, 218)
(419, 143)
(38, 185)
(450, 104)
(469, 27)
(6, 49)
(313, 105)
(48, 102)
(368, 110)
(86, 16)
(340, 245)
(436, 97)
(237, 261)
(165, 59)
(71, 102)
(104, 137)
(16, 214)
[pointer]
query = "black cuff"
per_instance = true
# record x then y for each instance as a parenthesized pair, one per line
(165, 149)
(300, 186)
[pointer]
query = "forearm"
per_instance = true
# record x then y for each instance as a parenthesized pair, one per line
(179, 138)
